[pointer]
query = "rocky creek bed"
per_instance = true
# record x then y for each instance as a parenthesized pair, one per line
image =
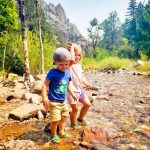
(122, 122)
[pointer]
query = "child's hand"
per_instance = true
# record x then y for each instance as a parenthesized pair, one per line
(88, 86)
(45, 102)
(70, 46)
(74, 97)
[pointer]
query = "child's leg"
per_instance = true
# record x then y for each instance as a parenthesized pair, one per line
(73, 115)
(86, 105)
(54, 127)
(62, 124)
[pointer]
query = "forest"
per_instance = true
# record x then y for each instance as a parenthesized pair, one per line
(28, 39)
(116, 65)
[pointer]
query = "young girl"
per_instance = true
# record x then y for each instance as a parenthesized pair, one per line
(78, 81)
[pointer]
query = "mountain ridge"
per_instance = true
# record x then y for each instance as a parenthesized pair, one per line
(57, 17)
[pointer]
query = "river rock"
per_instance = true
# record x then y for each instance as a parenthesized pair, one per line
(37, 87)
(26, 111)
(33, 98)
(143, 129)
(99, 133)
(20, 145)
(40, 77)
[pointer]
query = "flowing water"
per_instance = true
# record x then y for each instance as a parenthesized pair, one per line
(127, 110)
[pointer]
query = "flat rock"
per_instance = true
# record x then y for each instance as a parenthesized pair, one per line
(26, 111)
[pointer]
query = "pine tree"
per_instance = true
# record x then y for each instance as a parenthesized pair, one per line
(131, 26)
(144, 29)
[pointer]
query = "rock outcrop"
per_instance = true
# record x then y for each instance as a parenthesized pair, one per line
(68, 31)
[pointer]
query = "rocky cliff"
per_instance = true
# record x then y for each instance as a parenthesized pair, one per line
(69, 32)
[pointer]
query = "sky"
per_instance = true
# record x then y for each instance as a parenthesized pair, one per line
(80, 12)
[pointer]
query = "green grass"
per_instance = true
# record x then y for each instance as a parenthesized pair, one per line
(145, 67)
(106, 63)
(2, 73)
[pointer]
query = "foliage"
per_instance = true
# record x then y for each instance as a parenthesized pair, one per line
(145, 67)
(131, 40)
(114, 63)
(101, 54)
(144, 30)
(143, 57)
(112, 32)
(8, 15)
(90, 64)
(13, 44)
(94, 33)
(2, 73)
(35, 52)
(106, 63)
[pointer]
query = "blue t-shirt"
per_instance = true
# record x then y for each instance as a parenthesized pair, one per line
(58, 84)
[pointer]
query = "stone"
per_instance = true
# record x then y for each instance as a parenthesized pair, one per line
(21, 145)
(86, 144)
(99, 133)
(144, 130)
(26, 111)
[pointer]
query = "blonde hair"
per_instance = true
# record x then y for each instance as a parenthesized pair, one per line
(78, 48)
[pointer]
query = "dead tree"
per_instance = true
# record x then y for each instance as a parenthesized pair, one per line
(40, 32)
(25, 44)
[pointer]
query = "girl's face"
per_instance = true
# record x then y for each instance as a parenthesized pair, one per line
(78, 54)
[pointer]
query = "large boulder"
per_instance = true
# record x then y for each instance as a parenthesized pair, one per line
(26, 111)
(99, 133)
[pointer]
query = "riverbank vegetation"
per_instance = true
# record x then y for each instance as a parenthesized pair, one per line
(120, 45)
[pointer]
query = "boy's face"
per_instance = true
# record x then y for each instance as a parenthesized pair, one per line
(62, 65)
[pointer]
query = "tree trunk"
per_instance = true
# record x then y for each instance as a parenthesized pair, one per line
(4, 55)
(10, 63)
(25, 44)
(40, 33)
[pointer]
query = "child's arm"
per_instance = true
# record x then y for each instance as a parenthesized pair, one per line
(85, 82)
(44, 93)
(71, 49)
(71, 92)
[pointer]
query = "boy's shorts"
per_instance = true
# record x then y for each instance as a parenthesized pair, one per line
(80, 94)
(57, 110)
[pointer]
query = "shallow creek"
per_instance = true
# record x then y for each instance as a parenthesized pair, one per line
(127, 110)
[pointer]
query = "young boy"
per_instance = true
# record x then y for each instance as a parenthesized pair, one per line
(54, 90)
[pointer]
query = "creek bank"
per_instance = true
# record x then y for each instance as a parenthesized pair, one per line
(125, 115)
